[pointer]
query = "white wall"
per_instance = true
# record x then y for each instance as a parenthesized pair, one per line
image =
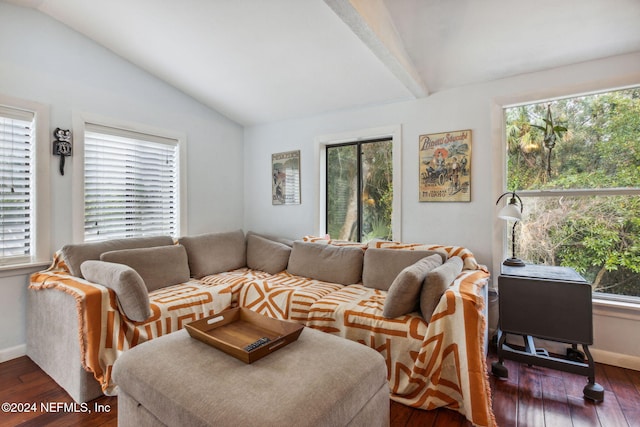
(43, 61)
(421, 222)
(473, 225)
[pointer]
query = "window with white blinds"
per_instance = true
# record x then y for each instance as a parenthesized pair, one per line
(16, 185)
(130, 184)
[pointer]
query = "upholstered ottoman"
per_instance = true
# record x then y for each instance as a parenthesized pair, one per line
(318, 380)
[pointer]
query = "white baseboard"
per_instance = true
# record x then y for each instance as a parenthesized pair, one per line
(616, 359)
(13, 352)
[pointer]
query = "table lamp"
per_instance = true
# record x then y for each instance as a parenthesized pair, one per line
(512, 210)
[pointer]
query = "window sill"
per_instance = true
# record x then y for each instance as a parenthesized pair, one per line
(619, 309)
(12, 270)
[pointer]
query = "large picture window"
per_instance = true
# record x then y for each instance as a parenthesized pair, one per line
(16, 187)
(359, 190)
(580, 188)
(131, 184)
(24, 183)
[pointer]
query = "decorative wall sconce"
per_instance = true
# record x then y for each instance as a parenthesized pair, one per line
(62, 146)
(512, 210)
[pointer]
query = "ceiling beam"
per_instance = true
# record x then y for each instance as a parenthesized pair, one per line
(371, 22)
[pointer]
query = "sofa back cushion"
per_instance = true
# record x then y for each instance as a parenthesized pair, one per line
(335, 264)
(404, 294)
(436, 282)
(468, 259)
(125, 282)
(159, 267)
(267, 255)
(74, 255)
(278, 239)
(382, 266)
(213, 253)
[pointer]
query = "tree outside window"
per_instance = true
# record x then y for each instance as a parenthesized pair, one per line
(582, 197)
(359, 190)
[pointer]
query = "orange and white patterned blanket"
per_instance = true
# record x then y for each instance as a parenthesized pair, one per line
(105, 332)
(440, 363)
(284, 296)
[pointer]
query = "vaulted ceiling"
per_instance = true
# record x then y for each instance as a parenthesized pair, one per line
(259, 61)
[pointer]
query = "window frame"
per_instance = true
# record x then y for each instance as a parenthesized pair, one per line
(394, 133)
(80, 122)
(41, 219)
(501, 246)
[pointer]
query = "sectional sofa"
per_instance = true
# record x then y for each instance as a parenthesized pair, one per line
(423, 307)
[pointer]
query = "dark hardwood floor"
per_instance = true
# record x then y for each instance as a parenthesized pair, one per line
(531, 396)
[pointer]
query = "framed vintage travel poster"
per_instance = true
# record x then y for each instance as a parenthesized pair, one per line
(285, 178)
(445, 167)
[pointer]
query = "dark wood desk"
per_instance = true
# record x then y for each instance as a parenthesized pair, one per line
(550, 303)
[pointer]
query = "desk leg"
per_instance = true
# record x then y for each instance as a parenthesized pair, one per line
(592, 390)
(530, 347)
(497, 368)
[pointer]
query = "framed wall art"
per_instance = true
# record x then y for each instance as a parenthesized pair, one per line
(445, 166)
(285, 178)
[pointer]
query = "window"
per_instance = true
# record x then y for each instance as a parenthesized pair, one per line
(16, 147)
(131, 184)
(359, 190)
(24, 190)
(581, 192)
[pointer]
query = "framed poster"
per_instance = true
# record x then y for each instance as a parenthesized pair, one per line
(285, 178)
(445, 166)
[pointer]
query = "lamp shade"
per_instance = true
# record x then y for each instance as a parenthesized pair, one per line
(510, 211)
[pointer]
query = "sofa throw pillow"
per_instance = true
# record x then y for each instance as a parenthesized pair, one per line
(126, 283)
(213, 253)
(75, 255)
(328, 263)
(382, 266)
(267, 255)
(159, 267)
(436, 282)
(404, 294)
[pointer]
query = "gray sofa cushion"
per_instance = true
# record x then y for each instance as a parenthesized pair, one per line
(213, 253)
(267, 255)
(335, 264)
(159, 267)
(404, 293)
(382, 266)
(74, 255)
(125, 282)
(436, 282)
(282, 240)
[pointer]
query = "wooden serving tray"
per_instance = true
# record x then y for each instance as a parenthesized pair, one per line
(232, 330)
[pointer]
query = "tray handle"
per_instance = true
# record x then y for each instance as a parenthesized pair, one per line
(215, 320)
(277, 344)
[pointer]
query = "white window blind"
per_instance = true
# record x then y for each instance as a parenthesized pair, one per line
(16, 186)
(130, 184)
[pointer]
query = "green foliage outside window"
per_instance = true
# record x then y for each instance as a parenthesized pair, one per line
(590, 217)
(366, 214)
